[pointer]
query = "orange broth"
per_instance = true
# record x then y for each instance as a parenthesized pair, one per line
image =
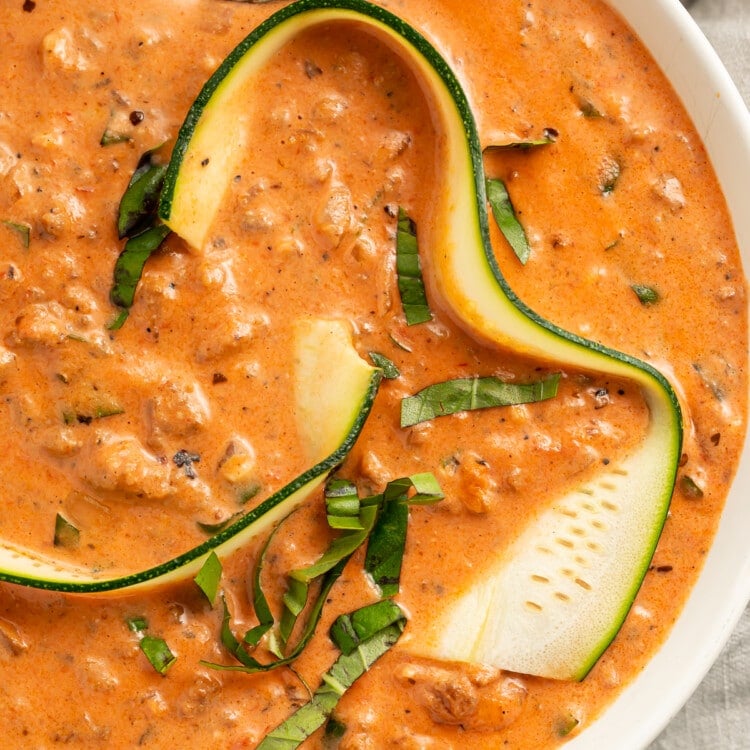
(342, 134)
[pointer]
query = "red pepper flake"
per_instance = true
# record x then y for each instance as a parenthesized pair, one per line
(29, 5)
(219, 377)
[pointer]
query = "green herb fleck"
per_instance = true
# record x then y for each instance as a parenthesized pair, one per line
(215, 528)
(22, 230)
(87, 417)
(334, 729)
(137, 623)
(130, 263)
(111, 137)
(249, 492)
(138, 203)
(647, 295)
(690, 488)
(66, 534)
(566, 724)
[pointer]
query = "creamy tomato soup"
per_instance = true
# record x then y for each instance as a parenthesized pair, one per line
(148, 438)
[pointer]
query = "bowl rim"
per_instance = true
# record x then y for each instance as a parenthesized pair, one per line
(722, 590)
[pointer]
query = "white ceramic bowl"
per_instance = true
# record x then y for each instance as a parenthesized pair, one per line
(723, 589)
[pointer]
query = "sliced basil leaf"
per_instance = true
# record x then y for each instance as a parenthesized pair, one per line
(209, 576)
(158, 653)
(647, 295)
(117, 322)
(385, 547)
(339, 548)
(22, 230)
(342, 505)
(409, 272)
(505, 216)
(233, 645)
(249, 664)
(138, 203)
(130, 263)
(349, 630)
(339, 678)
(466, 394)
(341, 497)
(66, 534)
(260, 603)
(427, 489)
(390, 371)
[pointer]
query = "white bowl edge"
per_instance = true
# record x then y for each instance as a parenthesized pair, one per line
(722, 591)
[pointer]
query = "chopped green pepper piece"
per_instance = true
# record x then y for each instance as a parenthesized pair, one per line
(137, 623)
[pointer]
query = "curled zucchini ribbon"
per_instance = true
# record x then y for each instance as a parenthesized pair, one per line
(506, 618)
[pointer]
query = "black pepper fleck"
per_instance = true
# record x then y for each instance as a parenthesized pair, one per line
(185, 460)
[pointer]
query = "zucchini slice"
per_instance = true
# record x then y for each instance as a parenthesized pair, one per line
(552, 603)
(329, 421)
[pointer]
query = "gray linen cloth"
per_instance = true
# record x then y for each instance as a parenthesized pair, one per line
(717, 717)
